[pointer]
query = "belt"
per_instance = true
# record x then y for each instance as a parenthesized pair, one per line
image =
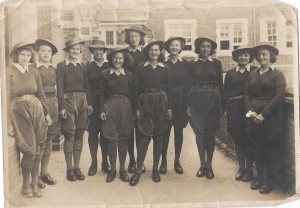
(50, 95)
(72, 94)
(261, 98)
(22, 98)
(117, 96)
(239, 97)
(152, 90)
(200, 85)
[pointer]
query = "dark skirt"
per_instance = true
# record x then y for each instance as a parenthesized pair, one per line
(179, 109)
(205, 104)
(236, 120)
(269, 130)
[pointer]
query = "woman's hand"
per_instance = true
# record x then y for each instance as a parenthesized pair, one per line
(259, 118)
(103, 116)
(169, 115)
(48, 120)
(63, 113)
(90, 110)
(10, 130)
(188, 111)
(137, 115)
(225, 116)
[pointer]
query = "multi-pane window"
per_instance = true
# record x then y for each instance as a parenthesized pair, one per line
(67, 15)
(69, 33)
(289, 34)
(237, 35)
(114, 37)
(85, 30)
(109, 37)
(272, 38)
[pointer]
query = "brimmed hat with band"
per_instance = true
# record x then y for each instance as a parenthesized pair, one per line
(21, 45)
(98, 44)
(151, 43)
(41, 42)
(241, 49)
(136, 29)
(198, 41)
(265, 45)
(168, 42)
(113, 51)
(72, 42)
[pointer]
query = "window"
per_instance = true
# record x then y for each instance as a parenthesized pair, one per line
(120, 37)
(272, 33)
(67, 15)
(109, 37)
(185, 28)
(85, 30)
(289, 36)
(69, 33)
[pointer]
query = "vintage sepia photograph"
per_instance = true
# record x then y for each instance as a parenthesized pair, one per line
(149, 103)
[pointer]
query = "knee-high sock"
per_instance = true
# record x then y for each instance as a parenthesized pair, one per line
(142, 148)
(77, 149)
(26, 166)
(240, 154)
(209, 147)
(166, 139)
(103, 146)
(200, 140)
(178, 140)
(157, 150)
(131, 148)
(93, 145)
(35, 171)
(46, 157)
(68, 150)
(122, 150)
(112, 146)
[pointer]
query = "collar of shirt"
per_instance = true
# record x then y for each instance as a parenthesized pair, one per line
(39, 64)
(117, 72)
(68, 62)
(262, 71)
(178, 58)
(22, 69)
(153, 67)
(139, 48)
(238, 68)
(98, 64)
(198, 58)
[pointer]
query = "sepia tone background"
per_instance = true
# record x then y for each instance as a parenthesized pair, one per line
(230, 23)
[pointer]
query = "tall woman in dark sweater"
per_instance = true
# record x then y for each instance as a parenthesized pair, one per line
(29, 115)
(74, 104)
(234, 110)
(116, 91)
(179, 70)
(205, 102)
(264, 99)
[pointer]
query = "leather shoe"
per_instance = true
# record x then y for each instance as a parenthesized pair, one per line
(41, 183)
(143, 169)
(71, 175)
(79, 175)
(27, 191)
(209, 173)
(92, 170)
(105, 167)
(111, 176)
(155, 176)
(48, 180)
(163, 168)
(134, 179)
(201, 172)
(256, 184)
(178, 169)
(131, 167)
(240, 174)
(248, 176)
(123, 175)
(265, 189)
(36, 191)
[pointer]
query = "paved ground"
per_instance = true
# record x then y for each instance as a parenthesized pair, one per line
(173, 191)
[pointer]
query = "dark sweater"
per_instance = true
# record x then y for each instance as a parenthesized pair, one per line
(48, 76)
(270, 84)
(146, 77)
(70, 78)
(112, 84)
(234, 84)
(134, 59)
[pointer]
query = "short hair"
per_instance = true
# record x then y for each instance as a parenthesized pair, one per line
(181, 46)
(127, 40)
(110, 58)
(198, 46)
(161, 57)
(93, 49)
(273, 57)
(38, 48)
(236, 59)
(29, 48)
(68, 49)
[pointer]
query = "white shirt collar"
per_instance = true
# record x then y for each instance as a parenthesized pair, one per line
(198, 58)
(237, 68)
(139, 48)
(153, 67)
(266, 69)
(117, 72)
(22, 69)
(68, 62)
(39, 64)
(178, 58)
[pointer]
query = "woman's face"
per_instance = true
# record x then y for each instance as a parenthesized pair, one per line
(154, 52)
(263, 57)
(118, 60)
(243, 58)
(45, 53)
(24, 57)
(134, 38)
(98, 53)
(174, 47)
(75, 51)
(205, 49)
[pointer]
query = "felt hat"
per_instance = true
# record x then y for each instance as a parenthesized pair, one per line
(47, 42)
(21, 45)
(266, 45)
(72, 42)
(198, 41)
(98, 44)
(151, 43)
(168, 42)
(136, 29)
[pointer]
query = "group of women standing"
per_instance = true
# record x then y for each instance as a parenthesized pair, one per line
(141, 94)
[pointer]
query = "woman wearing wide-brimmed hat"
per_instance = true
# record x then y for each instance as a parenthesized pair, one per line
(116, 93)
(205, 102)
(234, 110)
(152, 104)
(29, 115)
(180, 79)
(264, 102)
(75, 105)
(94, 71)
(135, 38)
(45, 50)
